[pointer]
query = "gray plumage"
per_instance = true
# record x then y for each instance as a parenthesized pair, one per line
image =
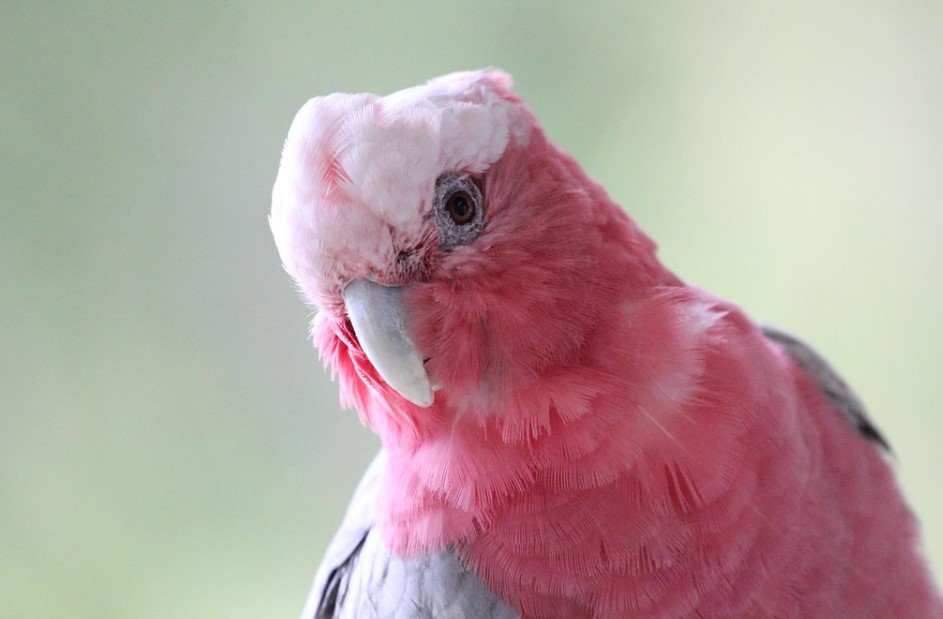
(359, 579)
(838, 393)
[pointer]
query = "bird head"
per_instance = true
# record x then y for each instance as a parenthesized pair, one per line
(455, 256)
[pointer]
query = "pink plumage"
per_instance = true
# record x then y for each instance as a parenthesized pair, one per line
(605, 440)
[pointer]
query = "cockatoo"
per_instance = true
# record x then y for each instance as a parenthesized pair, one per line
(569, 430)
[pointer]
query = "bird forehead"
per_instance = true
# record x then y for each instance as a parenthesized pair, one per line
(358, 171)
(386, 152)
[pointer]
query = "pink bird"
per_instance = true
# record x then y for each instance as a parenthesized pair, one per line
(569, 430)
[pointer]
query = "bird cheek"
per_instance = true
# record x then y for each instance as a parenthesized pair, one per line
(453, 344)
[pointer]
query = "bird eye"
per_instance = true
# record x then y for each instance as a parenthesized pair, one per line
(460, 207)
(459, 212)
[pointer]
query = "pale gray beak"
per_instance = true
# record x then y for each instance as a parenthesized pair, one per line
(380, 322)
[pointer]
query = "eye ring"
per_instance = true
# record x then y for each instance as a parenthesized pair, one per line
(460, 207)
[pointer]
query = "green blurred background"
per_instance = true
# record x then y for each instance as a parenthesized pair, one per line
(169, 446)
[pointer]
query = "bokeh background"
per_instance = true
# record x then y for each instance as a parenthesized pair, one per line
(169, 445)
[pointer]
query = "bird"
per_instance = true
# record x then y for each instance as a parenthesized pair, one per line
(568, 429)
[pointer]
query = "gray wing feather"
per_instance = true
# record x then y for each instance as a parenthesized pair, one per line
(838, 393)
(344, 550)
(359, 579)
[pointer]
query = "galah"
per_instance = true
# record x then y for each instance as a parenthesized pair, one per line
(568, 428)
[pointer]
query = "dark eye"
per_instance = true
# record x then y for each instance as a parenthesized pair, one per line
(459, 209)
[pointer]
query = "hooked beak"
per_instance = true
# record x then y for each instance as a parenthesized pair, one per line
(380, 322)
